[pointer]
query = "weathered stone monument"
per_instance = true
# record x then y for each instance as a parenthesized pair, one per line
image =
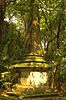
(33, 59)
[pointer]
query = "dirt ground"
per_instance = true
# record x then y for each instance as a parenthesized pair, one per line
(37, 98)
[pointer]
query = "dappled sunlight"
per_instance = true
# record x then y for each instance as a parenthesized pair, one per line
(13, 19)
(37, 78)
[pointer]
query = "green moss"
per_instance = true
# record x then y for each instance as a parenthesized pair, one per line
(20, 65)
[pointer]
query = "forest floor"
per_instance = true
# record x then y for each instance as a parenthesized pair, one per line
(34, 97)
(37, 98)
(46, 96)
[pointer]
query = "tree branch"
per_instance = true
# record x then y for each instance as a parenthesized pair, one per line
(58, 31)
(47, 23)
(7, 3)
(46, 20)
(51, 41)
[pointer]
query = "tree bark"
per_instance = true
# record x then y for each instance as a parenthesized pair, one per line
(33, 37)
(2, 12)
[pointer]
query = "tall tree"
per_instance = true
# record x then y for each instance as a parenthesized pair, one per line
(3, 5)
(33, 38)
(2, 12)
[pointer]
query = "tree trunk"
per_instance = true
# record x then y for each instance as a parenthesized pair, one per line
(2, 12)
(33, 40)
(56, 76)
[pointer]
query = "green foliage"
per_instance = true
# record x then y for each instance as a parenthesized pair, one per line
(12, 45)
(52, 27)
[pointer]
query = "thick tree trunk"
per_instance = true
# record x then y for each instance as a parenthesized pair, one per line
(33, 40)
